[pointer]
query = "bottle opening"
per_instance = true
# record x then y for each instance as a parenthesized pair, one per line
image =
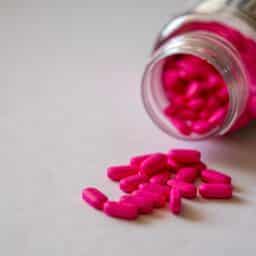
(191, 87)
(196, 94)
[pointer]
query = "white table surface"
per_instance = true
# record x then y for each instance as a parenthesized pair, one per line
(69, 107)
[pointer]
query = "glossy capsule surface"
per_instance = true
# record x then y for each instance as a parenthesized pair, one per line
(94, 197)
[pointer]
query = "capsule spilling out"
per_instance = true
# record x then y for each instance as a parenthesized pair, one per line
(136, 161)
(153, 180)
(158, 199)
(145, 206)
(187, 190)
(185, 156)
(131, 183)
(94, 197)
(153, 164)
(175, 201)
(174, 165)
(116, 173)
(216, 191)
(121, 210)
(212, 176)
(161, 178)
(156, 188)
(187, 174)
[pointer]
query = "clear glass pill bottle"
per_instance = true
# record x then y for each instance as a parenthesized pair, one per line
(222, 33)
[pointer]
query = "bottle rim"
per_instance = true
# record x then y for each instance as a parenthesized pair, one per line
(213, 49)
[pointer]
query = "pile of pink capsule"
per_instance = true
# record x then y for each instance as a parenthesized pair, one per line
(152, 180)
(246, 47)
(198, 96)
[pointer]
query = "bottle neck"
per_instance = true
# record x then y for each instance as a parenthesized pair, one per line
(216, 51)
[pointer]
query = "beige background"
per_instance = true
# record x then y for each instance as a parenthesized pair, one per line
(69, 107)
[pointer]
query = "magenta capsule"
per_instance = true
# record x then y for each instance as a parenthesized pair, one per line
(144, 206)
(218, 116)
(157, 199)
(154, 164)
(212, 176)
(223, 95)
(187, 114)
(185, 156)
(121, 210)
(213, 103)
(94, 197)
(187, 190)
(187, 73)
(179, 101)
(201, 127)
(187, 174)
(174, 165)
(213, 81)
(156, 188)
(175, 201)
(136, 161)
(181, 126)
(170, 78)
(196, 104)
(204, 115)
(170, 110)
(161, 178)
(116, 173)
(132, 183)
(199, 166)
(216, 191)
(194, 89)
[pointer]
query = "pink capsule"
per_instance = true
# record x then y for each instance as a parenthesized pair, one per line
(213, 103)
(223, 95)
(199, 166)
(185, 156)
(196, 104)
(189, 63)
(136, 161)
(187, 73)
(170, 110)
(181, 126)
(170, 78)
(94, 197)
(154, 164)
(132, 183)
(212, 176)
(144, 206)
(161, 178)
(157, 199)
(179, 101)
(218, 116)
(194, 89)
(216, 191)
(156, 188)
(187, 190)
(187, 174)
(175, 201)
(213, 81)
(116, 173)
(174, 165)
(121, 210)
(187, 114)
(205, 114)
(201, 127)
